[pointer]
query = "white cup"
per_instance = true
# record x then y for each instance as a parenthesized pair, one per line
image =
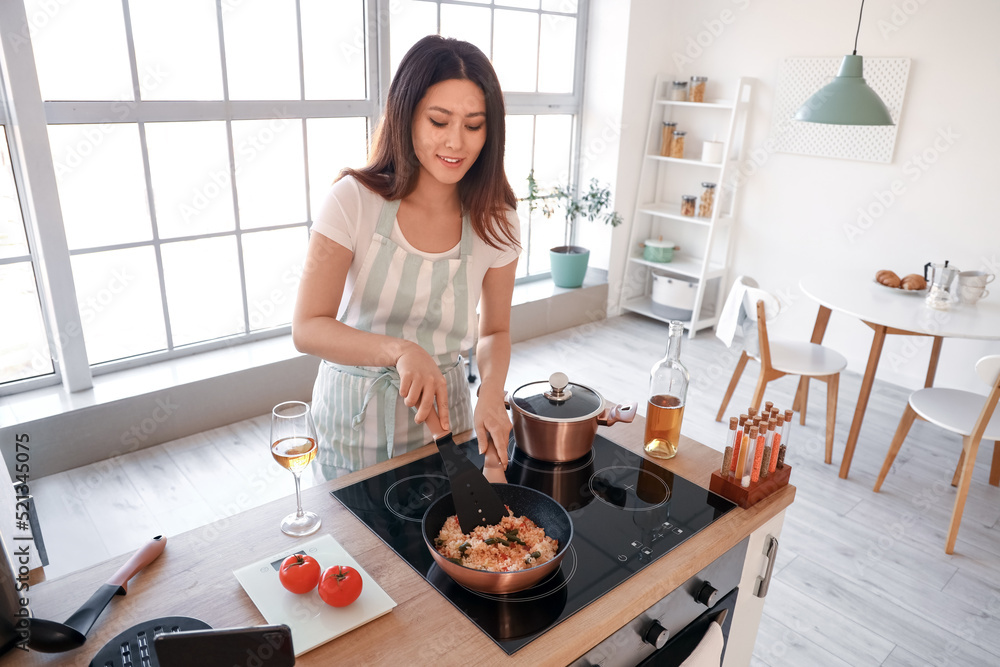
(975, 278)
(970, 294)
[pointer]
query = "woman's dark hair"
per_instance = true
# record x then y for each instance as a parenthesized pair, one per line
(393, 167)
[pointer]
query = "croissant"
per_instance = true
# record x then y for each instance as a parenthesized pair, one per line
(913, 281)
(887, 278)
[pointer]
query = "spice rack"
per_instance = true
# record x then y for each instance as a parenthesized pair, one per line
(745, 496)
(705, 241)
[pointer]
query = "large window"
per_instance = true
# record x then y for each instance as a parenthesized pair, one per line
(189, 143)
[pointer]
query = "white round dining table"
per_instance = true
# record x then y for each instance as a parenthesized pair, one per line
(892, 311)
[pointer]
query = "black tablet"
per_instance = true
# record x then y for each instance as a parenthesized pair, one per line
(259, 646)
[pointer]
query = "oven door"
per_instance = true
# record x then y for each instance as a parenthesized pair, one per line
(683, 642)
(667, 632)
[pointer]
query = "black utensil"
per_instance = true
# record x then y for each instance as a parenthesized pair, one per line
(53, 637)
(135, 645)
(476, 503)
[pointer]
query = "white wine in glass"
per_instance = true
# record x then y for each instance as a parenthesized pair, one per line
(293, 445)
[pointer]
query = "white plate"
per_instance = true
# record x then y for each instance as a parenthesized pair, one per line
(313, 622)
(900, 290)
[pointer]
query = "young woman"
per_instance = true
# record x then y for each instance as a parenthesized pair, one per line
(401, 253)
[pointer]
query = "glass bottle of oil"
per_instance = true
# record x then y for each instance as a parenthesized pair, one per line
(668, 385)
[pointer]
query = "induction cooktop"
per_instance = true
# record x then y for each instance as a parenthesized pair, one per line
(627, 512)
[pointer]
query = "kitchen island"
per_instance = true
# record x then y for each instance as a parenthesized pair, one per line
(193, 577)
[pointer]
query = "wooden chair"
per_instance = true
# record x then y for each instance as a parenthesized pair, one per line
(965, 413)
(780, 358)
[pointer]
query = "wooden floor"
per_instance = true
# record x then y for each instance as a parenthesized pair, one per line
(861, 578)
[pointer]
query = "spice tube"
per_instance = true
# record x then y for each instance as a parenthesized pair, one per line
(775, 442)
(758, 454)
(785, 428)
(768, 405)
(747, 457)
(730, 439)
(737, 444)
(752, 411)
(765, 464)
(781, 457)
(741, 464)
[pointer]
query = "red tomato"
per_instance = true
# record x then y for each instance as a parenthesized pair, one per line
(340, 585)
(299, 573)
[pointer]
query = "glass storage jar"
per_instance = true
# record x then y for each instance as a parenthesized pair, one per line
(677, 145)
(679, 91)
(696, 93)
(707, 201)
(668, 138)
(688, 205)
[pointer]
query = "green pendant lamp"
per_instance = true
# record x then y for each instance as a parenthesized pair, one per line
(847, 100)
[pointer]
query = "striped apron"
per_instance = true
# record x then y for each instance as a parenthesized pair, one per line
(359, 420)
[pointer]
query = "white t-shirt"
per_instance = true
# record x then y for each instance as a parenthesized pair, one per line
(349, 215)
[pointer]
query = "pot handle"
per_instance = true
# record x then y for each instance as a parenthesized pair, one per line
(619, 413)
(506, 400)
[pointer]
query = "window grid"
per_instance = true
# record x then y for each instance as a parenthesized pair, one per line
(539, 103)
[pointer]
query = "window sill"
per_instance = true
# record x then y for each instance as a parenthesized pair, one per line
(143, 406)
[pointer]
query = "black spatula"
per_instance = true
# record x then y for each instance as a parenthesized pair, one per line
(476, 503)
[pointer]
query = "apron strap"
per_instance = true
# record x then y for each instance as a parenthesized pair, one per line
(387, 218)
(467, 236)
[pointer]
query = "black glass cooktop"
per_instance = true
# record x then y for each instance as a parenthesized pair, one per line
(626, 512)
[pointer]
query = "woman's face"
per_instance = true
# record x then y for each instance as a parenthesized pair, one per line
(449, 129)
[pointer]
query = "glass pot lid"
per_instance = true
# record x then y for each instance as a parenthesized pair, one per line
(558, 400)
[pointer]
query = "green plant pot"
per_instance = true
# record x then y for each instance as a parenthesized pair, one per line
(569, 265)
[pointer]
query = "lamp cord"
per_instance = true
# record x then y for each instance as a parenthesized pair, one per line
(859, 28)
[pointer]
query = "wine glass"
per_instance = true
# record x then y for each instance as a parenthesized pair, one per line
(293, 445)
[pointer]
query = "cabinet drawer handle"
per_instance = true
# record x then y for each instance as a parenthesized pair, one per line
(765, 581)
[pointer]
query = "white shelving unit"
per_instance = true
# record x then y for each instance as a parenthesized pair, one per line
(705, 242)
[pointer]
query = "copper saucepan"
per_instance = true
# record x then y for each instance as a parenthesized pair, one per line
(557, 420)
(522, 501)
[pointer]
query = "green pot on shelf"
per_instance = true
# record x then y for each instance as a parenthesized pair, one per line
(569, 265)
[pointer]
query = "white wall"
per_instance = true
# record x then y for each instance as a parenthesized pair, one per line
(802, 212)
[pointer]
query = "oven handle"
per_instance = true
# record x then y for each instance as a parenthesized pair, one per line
(765, 581)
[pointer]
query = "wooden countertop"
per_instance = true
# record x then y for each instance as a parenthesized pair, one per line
(193, 577)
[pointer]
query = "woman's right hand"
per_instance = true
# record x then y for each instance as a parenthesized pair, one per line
(422, 385)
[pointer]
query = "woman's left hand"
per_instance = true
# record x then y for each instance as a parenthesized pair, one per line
(492, 423)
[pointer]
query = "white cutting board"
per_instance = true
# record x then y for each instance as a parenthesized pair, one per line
(313, 622)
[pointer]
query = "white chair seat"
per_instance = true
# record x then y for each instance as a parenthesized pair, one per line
(800, 358)
(954, 410)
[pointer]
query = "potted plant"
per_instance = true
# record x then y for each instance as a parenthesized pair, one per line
(569, 262)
